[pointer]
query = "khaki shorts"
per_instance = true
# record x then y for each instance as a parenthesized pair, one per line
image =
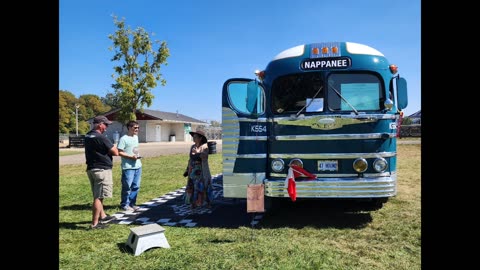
(101, 182)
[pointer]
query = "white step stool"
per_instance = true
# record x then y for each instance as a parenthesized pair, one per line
(146, 237)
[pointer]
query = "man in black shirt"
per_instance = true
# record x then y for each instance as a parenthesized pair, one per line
(98, 154)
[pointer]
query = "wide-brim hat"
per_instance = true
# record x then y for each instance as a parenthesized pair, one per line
(201, 133)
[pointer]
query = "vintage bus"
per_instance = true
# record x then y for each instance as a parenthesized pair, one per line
(329, 108)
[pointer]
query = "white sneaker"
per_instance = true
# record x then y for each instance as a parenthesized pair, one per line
(127, 208)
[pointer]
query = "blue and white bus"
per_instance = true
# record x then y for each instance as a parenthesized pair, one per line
(330, 108)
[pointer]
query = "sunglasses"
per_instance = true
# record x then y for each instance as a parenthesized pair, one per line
(135, 127)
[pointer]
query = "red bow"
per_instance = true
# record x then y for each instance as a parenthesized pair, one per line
(293, 172)
(301, 172)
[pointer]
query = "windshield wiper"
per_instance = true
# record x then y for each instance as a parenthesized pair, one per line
(306, 105)
(348, 103)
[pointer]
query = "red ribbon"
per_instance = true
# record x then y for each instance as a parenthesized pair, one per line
(301, 172)
(293, 172)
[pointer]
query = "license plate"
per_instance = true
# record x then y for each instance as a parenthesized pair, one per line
(328, 165)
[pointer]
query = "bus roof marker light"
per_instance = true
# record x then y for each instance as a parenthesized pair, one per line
(260, 74)
(393, 69)
(325, 50)
(315, 51)
(335, 50)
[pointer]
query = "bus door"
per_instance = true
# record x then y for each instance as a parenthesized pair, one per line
(244, 138)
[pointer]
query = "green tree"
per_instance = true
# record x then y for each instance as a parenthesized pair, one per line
(66, 102)
(407, 121)
(139, 68)
(111, 100)
(93, 105)
(214, 123)
(88, 106)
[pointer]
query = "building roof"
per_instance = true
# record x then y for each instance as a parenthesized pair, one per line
(158, 115)
(416, 115)
(173, 117)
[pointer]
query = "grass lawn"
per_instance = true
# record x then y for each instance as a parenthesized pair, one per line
(410, 139)
(313, 238)
(69, 152)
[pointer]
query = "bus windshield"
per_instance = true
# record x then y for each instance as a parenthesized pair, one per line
(291, 93)
(343, 92)
(355, 92)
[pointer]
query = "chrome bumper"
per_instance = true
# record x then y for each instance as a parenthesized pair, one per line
(335, 187)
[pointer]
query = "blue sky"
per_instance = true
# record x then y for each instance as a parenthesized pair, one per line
(211, 41)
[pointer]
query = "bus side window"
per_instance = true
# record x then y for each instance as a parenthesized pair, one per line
(390, 90)
(252, 97)
(246, 100)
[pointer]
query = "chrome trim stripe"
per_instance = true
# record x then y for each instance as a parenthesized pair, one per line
(229, 142)
(240, 174)
(230, 132)
(253, 138)
(321, 137)
(333, 155)
(351, 116)
(350, 187)
(337, 175)
(229, 139)
(336, 188)
(230, 147)
(230, 152)
(229, 116)
(260, 120)
(236, 186)
(233, 155)
(235, 139)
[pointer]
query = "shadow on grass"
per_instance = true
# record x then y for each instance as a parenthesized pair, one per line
(232, 214)
(84, 225)
(87, 206)
(123, 248)
(318, 214)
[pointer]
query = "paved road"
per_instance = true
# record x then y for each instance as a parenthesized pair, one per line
(152, 149)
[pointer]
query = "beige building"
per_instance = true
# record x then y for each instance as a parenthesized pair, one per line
(156, 126)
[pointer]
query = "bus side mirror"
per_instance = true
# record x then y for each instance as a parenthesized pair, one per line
(253, 92)
(402, 97)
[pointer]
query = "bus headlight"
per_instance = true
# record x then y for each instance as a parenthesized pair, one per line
(380, 165)
(296, 162)
(360, 165)
(278, 165)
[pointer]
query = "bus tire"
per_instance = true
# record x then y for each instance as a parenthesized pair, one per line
(376, 203)
(271, 202)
